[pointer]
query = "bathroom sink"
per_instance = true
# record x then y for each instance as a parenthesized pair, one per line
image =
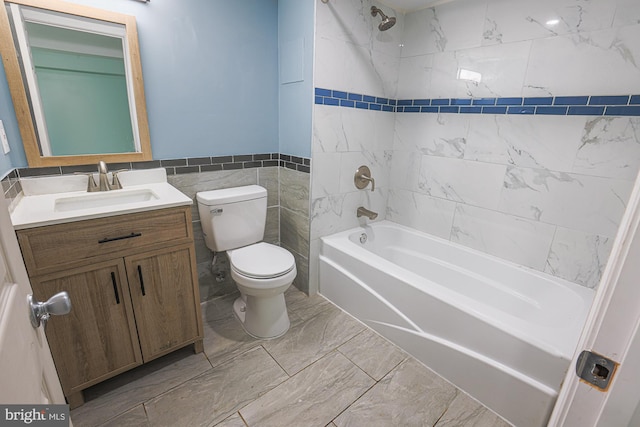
(103, 199)
(60, 199)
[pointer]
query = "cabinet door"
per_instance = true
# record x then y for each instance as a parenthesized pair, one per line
(164, 301)
(98, 338)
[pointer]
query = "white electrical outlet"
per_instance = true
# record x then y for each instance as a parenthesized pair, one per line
(3, 138)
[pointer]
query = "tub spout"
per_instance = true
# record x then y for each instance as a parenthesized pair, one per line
(366, 212)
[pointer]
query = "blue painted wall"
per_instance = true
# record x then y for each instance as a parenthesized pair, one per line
(296, 24)
(211, 76)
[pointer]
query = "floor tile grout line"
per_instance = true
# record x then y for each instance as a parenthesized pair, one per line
(197, 376)
(311, 364)
(328, 306)
(307, 366)
(241, 351)
(375, 383)
(461, 391)
(277, 363)
(404, 354)
(447, 408)
(260, 342)
(330, 350)
(258, 345)
(119, 414)
(356, 365)
(178, 385)
(205, 352)
(272, 388)
(389, 371)
(146, 414)
(153, 397)
(232, 355)
(362, 369)
(242, 418)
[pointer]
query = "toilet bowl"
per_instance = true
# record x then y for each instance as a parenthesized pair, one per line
(233, 220)
(262, 272)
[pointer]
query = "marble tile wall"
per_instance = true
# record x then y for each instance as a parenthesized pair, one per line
(576, 173)
(352, 55)
(544, 192)
(521, 48)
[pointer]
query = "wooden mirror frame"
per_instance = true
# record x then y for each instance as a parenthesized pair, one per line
(19, 94)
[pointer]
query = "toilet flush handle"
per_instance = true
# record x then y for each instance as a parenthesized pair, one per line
(216, 211)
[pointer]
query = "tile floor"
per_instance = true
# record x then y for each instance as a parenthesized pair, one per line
(327, 370)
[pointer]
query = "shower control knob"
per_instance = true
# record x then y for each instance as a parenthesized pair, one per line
(362, 178)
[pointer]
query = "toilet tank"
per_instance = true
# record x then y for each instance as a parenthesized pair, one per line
(232, 217)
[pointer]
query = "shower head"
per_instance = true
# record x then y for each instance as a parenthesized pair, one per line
(387, 21)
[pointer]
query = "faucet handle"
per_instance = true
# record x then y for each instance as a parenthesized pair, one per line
(371, 180)
(91, 182)
(115, 181)
(362, 178)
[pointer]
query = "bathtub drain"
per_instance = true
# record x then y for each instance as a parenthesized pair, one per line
(363, 238)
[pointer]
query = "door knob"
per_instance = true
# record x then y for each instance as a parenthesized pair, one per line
(39, 312)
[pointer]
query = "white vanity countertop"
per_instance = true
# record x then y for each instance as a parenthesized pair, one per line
(37, 206)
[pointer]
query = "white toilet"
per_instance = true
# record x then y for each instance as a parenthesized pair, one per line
(233, 220)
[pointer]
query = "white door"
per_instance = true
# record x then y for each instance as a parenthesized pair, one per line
(612, 330)
(27, 372)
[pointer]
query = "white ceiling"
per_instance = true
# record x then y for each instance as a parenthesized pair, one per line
(412, 5)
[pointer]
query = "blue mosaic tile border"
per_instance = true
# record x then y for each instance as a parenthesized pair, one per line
(354, 100)
(619, 105)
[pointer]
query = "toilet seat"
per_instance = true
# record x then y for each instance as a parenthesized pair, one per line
(261, 261)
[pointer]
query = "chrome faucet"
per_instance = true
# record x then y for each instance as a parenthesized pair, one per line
(366, 212)
(102, 177)
(103, 180)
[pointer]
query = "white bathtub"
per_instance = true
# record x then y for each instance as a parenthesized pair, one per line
(503, 333)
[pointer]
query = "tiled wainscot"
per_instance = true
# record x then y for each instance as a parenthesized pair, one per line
(285, 177)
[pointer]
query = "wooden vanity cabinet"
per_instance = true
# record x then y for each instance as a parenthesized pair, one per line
(98, 338)
(164, 312)
(133, 285)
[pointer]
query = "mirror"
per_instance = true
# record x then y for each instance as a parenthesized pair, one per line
(75, 78)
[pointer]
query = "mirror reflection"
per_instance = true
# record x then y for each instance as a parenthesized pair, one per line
(78, 73)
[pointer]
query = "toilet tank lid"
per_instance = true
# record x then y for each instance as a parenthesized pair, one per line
(231, 195)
